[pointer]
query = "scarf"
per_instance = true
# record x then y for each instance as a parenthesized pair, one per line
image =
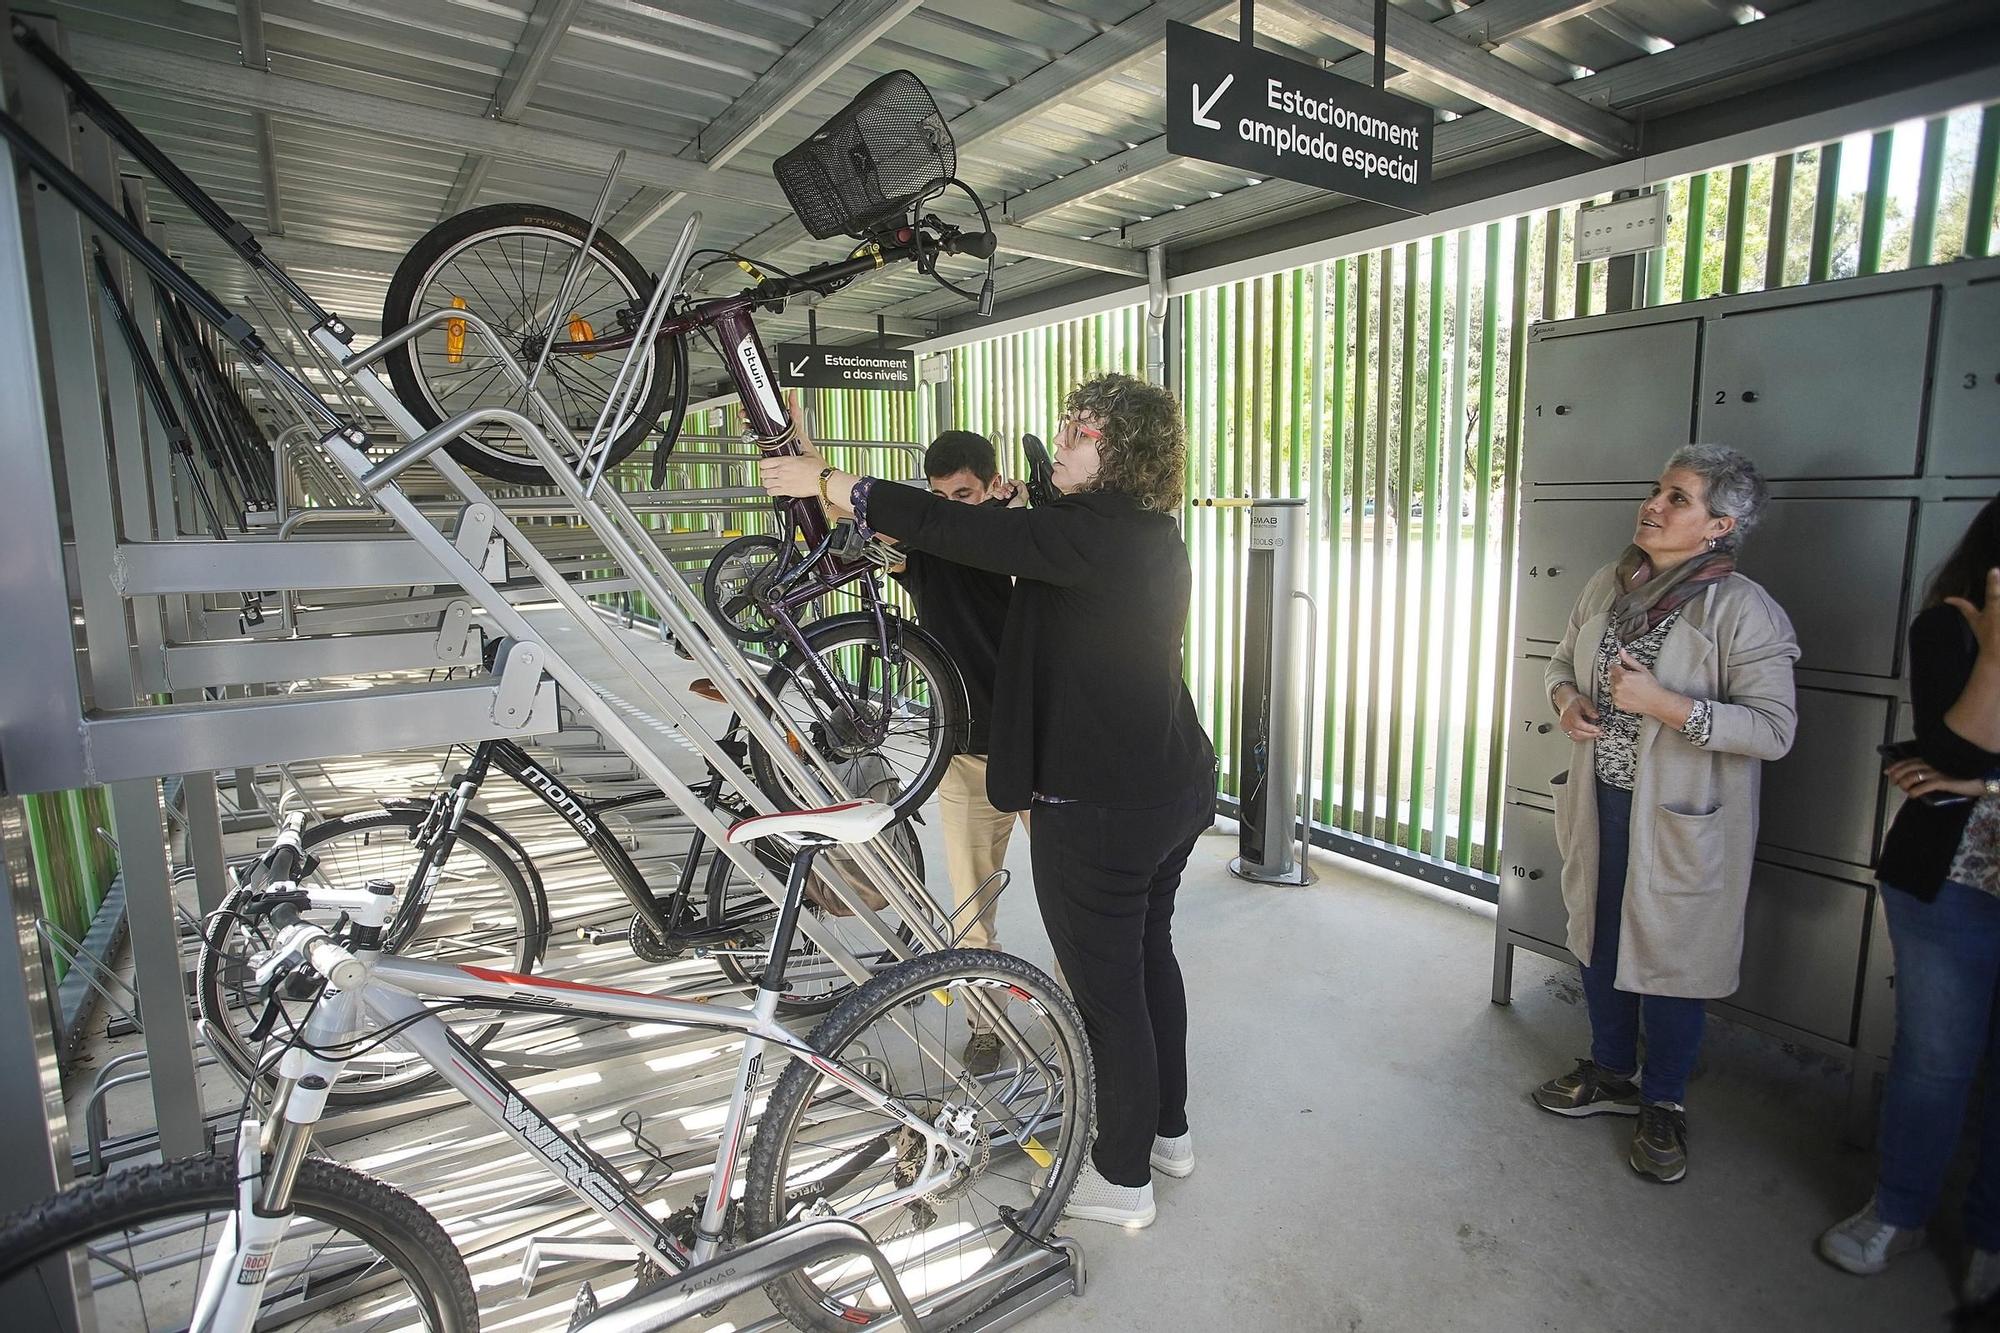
(1645, 600)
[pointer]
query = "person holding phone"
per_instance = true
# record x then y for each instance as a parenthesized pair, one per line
(1940, 876)
(1675, 682)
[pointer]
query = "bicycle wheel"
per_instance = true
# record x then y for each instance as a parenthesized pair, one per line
(729, 584)
(480, 913)
(813, 984)
(506, 263)
(820, 1147)
(357, 1255)
(910, 706)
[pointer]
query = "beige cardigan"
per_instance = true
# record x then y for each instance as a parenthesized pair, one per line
(1694, 809)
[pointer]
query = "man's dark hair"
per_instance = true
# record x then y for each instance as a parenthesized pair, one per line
(957, 451)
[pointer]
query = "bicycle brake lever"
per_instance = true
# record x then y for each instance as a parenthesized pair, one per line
(1041, 471)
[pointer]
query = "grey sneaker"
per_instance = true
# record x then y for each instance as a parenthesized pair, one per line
(1588, 1090)
(1174, 1156)
(1982, 1278)
(1659, 1146)
(1096, 1199)
(1865, 1244)
(982, 1053)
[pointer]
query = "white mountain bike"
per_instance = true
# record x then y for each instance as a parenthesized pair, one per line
(954, 1175)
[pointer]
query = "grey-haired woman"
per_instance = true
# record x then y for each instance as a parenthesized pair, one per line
(1675, 683)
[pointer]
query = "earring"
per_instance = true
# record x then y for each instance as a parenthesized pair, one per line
(1713, 542)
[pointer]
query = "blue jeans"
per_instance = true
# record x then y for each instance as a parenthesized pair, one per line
(1673, 1024)
(1947, 981)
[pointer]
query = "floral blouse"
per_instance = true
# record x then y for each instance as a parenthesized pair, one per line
(1977, 864)
(1618, 746)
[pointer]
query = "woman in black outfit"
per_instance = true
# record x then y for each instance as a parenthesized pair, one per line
(1092, 725)
(1940, 873)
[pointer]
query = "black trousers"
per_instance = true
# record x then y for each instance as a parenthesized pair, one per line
(1106, 879)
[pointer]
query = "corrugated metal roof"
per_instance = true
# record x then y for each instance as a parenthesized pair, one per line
(1058, 107)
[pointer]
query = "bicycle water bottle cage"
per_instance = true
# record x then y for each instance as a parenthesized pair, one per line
(871, 161)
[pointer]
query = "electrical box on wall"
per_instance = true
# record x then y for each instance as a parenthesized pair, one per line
(1621, 227)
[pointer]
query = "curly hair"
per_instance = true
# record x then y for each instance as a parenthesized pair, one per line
(1144, 450)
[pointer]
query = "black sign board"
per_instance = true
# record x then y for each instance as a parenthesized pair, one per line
(1231, 103)
(811, 366)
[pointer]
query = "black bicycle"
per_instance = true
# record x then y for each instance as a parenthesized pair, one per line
(470, 895)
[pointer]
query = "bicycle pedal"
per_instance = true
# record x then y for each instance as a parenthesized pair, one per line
(603, 934)
(584, 1307)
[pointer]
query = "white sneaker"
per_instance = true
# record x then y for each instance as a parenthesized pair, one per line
(1174, 1156)
(1096, 1199)
(1982, 1279)
(1865, 1244)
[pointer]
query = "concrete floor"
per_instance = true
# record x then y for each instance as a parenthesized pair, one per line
(1368, 1158)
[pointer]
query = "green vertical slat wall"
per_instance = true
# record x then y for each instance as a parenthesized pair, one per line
(73, 866)
(1388, 388)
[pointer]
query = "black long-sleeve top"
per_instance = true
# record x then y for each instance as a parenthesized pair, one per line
(1088, 701)
(1917, 854)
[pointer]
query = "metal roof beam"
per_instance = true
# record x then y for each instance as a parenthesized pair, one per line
(1437, 56)
(250, 36)
(548, 21)
(828, 46)
(231, 85)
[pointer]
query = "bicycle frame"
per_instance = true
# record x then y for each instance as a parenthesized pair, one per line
(389, 990)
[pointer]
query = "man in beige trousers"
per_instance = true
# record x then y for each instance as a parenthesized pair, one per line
(965, 609)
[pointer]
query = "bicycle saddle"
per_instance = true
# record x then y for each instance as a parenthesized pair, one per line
(850, 821)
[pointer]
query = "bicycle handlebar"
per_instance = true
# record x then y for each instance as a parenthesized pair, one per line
(909, 244)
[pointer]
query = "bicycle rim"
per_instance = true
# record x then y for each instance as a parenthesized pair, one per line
(822, 1149)
(511, 276)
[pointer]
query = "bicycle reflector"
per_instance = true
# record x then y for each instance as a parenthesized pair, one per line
(454, 334)
(580, 332)
(878, 155)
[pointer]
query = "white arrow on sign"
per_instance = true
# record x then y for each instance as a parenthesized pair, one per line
(1201, 108)
(799, 366)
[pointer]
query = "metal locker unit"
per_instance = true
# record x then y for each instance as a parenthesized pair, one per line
(1782, 384)
(1853, 398)
(1610, 407)
(1964, 440)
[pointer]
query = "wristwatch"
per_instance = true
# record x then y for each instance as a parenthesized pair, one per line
(824, 473)
(1992, 786)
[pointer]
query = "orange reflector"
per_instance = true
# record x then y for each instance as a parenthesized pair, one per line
(580, 332)
(705, 687)
(454, 334)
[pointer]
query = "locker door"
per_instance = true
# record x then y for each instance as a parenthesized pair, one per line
(1564, 542)
(1788, 387)
(1940, 525)
(1822, 798)
(1836, 566)
(1537, 750)
(1802, 941)
(1609, 406)
(1966, 403)
(1531, 899)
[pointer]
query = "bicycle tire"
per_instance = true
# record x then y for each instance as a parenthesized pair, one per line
(516, 948)
(773, 1191)
(724, 890)
(459, 234)
(399, 1229)
(946, 732)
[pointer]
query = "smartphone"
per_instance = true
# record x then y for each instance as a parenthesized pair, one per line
(1897, 751)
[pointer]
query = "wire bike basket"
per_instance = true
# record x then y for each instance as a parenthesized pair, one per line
(878, 155)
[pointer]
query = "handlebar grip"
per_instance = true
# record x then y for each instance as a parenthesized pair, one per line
(980, 246)
(283, 862)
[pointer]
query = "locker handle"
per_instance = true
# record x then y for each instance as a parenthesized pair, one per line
(1534, 874)
(1544, 729)
(1749, 395)
(1555, 571)
(1563, 409)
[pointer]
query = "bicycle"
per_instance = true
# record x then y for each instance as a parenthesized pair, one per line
(956, 1176)
(866, 682)
(468, 892)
